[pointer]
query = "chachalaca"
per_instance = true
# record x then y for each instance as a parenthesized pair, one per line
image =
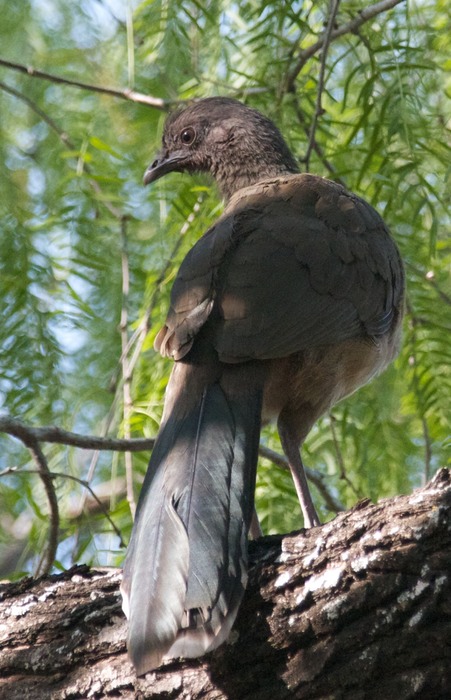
(291, 301)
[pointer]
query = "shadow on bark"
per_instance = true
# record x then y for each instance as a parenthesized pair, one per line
(357, 608)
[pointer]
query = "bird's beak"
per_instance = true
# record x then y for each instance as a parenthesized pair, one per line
(164, 163)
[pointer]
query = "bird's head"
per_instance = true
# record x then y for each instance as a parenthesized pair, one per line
(235, 144)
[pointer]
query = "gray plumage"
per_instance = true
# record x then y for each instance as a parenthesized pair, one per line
(291, 301)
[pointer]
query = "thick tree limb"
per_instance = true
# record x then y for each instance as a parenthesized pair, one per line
(357, 608)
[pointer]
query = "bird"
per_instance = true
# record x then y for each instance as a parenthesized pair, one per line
(290, 301)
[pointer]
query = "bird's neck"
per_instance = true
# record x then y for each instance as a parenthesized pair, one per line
(232, 176)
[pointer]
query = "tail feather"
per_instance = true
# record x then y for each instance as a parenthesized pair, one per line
(158, 553)
(186, 566)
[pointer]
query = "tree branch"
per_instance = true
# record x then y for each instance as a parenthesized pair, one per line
(124, 94)
(357, 608)
(117, 214)
(340, 459)
(334, 5)
(318, 479)
(417, 391)
(316, 147)
(59, 475)
(48, 557)
(40, 112)
(364, 15)
(136, 341)
(127, 402)
(53, 434)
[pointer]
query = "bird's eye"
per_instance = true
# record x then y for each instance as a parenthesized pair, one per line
(187, 136)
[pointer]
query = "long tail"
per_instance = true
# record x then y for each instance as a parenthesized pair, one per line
(186, 565)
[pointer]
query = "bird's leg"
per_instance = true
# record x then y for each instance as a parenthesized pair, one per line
(255, 530)
(290, 445)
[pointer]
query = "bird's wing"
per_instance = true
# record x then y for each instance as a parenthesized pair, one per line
(294, 262)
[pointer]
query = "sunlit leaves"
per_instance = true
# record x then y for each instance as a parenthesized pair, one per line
(72, 166)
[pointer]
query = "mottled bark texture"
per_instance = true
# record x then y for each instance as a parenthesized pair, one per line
(357, 608)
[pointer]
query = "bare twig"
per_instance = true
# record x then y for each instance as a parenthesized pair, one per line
(32, 437)
(126, 373)
(52, 434)
(82, 482)
(105, 491)
(48, 557)
(95, 457)
(340, 459)
(427, 449)
(124, 94)
(416, 384)
(334, 5)
(316, 147)
(65, 140)
(130, 44)
(315, 477)
(363, 16)
(338, 452)
(40, 112)
(139, 336)
(102, 506)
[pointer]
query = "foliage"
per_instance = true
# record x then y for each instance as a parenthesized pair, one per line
(76, 343)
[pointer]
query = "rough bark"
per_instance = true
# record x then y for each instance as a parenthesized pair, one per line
(358, 608)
